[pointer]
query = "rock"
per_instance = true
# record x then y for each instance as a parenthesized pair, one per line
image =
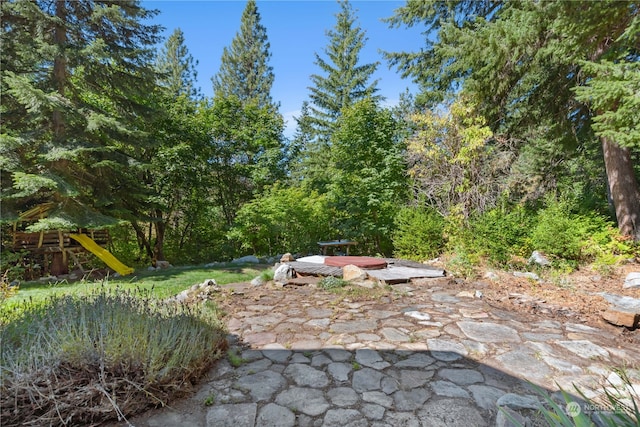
(622, 317)
(198, 292)
(161, 265)
(212, 264)
(527, 275)
(209, 282)
(538, 258)
(351, 272)
(258, 281)
(478, 294)
(465, 294)
(632, 280)
(151, 268)
(283, 273)
(491, 276)
(287, 258)
(622, 301)
(516, 401)
(249, 259)
(507, 416)
(624, 311)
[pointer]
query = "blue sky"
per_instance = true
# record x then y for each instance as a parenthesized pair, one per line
(296, 31)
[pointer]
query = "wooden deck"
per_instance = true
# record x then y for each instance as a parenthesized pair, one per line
(310, 268)
(398, 274)
(397, 271)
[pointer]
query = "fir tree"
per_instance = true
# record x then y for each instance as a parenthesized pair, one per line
(75, 80)
(176, 67)
(345, 81)
(244, 70)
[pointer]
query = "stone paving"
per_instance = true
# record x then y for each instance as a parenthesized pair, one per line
(422, 355)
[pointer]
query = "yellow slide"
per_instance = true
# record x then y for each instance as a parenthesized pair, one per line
(106, 256)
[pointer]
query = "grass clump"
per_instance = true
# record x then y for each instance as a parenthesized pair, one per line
(331, 282)
(83, 360)
(618, 407)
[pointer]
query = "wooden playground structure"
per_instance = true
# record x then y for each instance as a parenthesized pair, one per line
(54, 249)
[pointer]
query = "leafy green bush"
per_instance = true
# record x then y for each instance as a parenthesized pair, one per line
(284, 219)
(562, 232)
(85, 360)
(418, 234)
(499, 234)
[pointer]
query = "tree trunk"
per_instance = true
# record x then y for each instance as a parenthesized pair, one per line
(60, 64)
(142, 239)
(59, 264)
(158, 247)
(623, 187)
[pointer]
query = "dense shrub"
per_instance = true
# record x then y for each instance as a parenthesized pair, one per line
(418, 234)
(499, 234)
(562, 232)
(84, 360)
(282, 220)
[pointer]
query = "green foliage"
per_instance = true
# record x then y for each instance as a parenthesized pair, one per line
(545, 74)
(562, 232)
(12, 267)
(283, 219)
(461, 263)
(244, 151)
(499, 234)
(121, 351)
(331, 282)
(267, 275)
(70, 122)
(244, 70)
(177, 67)
(418, 233)
(619, 408)
(369, 184)
(454, 163)
(345, 81)
(234, 358)
(159, 284)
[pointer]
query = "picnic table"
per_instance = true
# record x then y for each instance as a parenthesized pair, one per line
(336, 244)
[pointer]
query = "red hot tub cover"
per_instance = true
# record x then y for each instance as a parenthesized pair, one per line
(364, 262)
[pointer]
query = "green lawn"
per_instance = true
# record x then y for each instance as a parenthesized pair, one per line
(161, 283)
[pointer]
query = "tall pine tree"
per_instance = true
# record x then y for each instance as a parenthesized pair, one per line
(177, 68)
(244, 70)
(75, 80)
(344, 80)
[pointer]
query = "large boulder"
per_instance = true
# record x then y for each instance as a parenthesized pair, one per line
(283, 273)
(351, 272)
(287, 258)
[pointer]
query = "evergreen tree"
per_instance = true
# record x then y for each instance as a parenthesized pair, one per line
(75, 81)
(244, 70)
(538, 71)
(176, 67)
(309, 162)
(345, 81)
